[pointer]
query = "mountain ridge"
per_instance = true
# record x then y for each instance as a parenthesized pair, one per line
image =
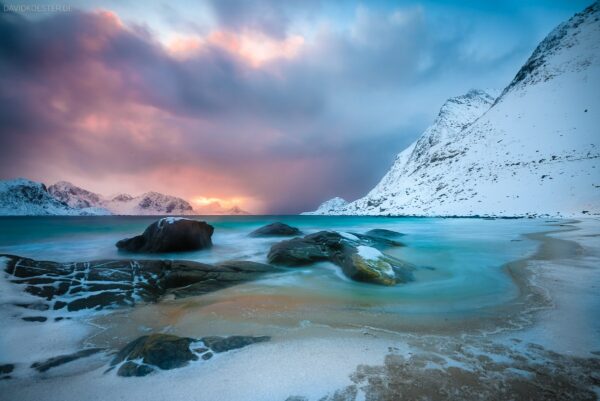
(532, 152)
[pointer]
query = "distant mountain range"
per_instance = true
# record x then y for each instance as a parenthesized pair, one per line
(532, 151)
(25, 197)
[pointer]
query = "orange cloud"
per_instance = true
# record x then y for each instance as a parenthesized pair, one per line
(253, 47)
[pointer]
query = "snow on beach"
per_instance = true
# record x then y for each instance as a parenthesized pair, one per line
(318, 360)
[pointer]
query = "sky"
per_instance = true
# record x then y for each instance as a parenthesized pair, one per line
(274, 106)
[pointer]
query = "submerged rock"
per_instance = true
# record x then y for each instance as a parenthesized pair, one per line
(170, 234)
(62, 359)
(117, 283)
(383, 233)
(353, 253)
(164, 351)
(275, 230)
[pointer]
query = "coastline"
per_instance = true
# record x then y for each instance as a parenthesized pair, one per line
(352, 363)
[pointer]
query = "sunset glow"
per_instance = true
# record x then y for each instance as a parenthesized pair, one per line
(253, 47)
(273, 108)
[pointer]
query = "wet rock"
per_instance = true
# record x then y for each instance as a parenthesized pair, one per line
(170, 234)
(355, 254)
(383, 233)
(164, 351)
(223, 344)
(6, 368)
(122, 283)
(377, 242)
(62, 359)
(35, 318)
(129, 369)
(276, 230)
(304, 251)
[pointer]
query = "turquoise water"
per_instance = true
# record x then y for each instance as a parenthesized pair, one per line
(461, 259)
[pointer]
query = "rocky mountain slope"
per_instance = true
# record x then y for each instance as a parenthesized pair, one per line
(329, 206)
(535, 150)
(21, 197)
(24, 197)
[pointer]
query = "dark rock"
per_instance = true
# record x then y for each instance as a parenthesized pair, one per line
(164, 351)
(62, 359)
(356, 255)
(6, 368)
(377, 241)
(276, 230)
(117, 283)
(35, 306)
(161, 350)
(35, 318)
(223, 344)
(170, 235)
(305, 251)
(383, 233)
(129, 369)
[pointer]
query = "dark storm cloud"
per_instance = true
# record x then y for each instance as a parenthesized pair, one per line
(85, 94)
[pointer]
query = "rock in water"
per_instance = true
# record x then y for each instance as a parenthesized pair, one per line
(276, 230)
(170, 234)
(383, 233)
(355, 254)
(117, 283)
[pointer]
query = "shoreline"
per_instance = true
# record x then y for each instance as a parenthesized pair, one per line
(350, 363)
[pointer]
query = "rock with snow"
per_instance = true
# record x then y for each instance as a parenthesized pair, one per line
(357, 257)
(533, 151)
(21, 197)
(170, 234)
(329, 207)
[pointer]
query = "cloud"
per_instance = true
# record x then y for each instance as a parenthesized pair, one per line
(254, 108)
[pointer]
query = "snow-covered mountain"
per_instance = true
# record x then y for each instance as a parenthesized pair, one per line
(150, 203)
(21, 197)
(329, 206)
(24, 197)
(535, 150)
(74, 196)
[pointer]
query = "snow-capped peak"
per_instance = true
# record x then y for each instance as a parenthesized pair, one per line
(75, 196)
(534, 151)
(20, 197)
(329, 206)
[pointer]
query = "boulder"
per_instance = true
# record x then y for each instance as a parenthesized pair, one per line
(170, 234)
(164, 351)
(353, 253)
(106, 284)
(276, 230)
